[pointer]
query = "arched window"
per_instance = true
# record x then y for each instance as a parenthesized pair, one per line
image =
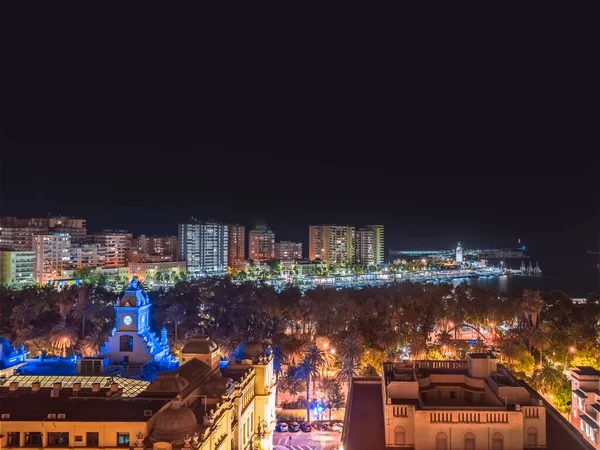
(441, 441)
(497, 441)
(400, 435)
(532, 437)
(126, 343)
(469, 440)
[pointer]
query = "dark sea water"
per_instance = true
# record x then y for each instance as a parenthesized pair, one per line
(577, 280)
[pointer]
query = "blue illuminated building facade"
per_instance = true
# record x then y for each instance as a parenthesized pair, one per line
(133, 350)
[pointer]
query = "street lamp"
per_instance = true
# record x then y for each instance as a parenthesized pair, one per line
(571, 350)
(262, 434)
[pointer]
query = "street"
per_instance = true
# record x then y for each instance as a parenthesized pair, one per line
(315, 440)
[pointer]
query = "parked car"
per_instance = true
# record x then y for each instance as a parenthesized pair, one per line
(305, 426)
(337, 427)
(281, 427)
(327, 427)
(294, 426)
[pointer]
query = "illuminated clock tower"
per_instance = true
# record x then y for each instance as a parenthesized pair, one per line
(132, 342)
(133, 309)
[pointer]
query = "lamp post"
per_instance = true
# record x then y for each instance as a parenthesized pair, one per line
(570, 350)
(261, 434)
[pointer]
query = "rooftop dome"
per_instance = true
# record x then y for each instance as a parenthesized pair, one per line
(173, 423)
(250, 350)
(200, 345)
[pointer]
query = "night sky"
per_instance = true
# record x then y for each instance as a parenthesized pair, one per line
(480, 141)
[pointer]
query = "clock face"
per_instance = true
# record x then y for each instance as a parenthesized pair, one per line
(127, 320)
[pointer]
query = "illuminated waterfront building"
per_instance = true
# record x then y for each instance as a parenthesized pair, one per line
(17, 268)
(332, 244)
(204, 246)
(52, 255)
(261, 244)
(378, 243)
(116, 243)
(447, 405)
(286, 250)
(364, 247)
(236, 246)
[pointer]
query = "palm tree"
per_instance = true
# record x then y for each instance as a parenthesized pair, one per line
(417, 345)
(23, 314)
(509, 346)
(316, 358)
(349, 370)
(175, 313)
(27, 335)
(539, 339)
(351, 347)
(93, 342)
(305, 370)
(63, 336)
(531, 306)
(84, 309)
(480, 346)
(547, 378)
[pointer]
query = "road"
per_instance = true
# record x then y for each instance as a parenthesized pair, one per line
(315, 440)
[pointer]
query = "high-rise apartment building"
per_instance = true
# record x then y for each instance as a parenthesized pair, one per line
(332, 244)
(261, 244)
(204, 246)
(158, 245)
(364, 247)
(17, 234)
(117, 243)
(17, 268)
(237, 246)
(288, 250)
(52, 256)
(378, 244)
(87, 255)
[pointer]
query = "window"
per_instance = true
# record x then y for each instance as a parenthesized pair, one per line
(453, 395)
(58, 439)
(469, 440)
(440, 441)
(78, 438)
(33, 439)
(581, 403)
(123, 439)
(92, 439)
(396, 411)
(126, 343)
(531, 437)
(497, 441)
(399, 435)
(14, 439)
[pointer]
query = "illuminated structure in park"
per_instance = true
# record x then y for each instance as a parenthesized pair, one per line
(448, 405)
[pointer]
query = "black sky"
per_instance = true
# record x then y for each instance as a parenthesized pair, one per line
(439, 133)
